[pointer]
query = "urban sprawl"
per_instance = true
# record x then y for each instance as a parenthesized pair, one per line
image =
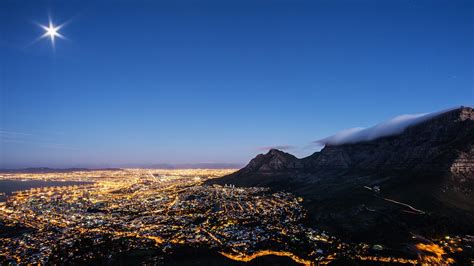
(156, 214)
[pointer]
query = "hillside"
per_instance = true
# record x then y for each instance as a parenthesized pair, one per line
(356, 189)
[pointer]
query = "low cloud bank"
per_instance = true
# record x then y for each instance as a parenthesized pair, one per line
(391, 127)
(278, 147)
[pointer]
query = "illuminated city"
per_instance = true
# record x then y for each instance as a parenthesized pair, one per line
(161, 212)
(236, 132)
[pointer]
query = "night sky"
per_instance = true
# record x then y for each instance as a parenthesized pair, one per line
(142, 82)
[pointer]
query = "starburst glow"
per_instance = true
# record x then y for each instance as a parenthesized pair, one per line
(52, 31)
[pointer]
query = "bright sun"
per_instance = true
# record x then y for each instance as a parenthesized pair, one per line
(52, 31)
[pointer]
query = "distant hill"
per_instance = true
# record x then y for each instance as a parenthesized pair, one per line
(186, 166)
(363, 188)
(152, 166)
(53, 170)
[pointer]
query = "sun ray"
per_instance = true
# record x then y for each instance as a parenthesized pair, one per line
(52, 32)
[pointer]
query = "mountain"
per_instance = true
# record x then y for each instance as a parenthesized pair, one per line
(54, 170)
(274, 161)
(365, 188)
(185, 166)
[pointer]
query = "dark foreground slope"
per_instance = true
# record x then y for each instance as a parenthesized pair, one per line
(418, 182)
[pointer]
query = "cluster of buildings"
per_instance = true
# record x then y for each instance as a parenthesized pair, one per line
(160, 211)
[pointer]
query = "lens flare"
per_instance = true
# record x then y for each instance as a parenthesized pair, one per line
(52, 31)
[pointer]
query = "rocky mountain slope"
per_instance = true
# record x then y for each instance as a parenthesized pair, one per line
(352, 189)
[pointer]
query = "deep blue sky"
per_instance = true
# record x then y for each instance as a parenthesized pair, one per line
(214, 81)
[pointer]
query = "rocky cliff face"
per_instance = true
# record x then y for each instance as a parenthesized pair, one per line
(429, 165)
(273, 161)
(443, 145)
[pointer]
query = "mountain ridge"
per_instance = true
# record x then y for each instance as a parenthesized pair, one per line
(343, 156)
(429, 165)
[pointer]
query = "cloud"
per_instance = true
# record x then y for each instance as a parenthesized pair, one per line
(31, 139)
(391, 127)
(278, 147)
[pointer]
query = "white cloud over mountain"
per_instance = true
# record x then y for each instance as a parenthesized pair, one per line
(390, 127)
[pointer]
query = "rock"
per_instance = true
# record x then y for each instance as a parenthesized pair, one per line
(429, 165)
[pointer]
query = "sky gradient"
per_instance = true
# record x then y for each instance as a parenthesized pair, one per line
(219, 81)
